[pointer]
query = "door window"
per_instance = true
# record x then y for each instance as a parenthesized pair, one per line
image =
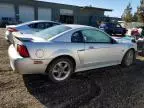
(95, 36)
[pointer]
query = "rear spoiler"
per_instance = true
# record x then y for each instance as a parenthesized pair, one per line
(7, 26)
(24, 39)
(21, 37)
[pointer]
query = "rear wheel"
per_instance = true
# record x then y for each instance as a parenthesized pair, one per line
(129, 58)
(60, 70)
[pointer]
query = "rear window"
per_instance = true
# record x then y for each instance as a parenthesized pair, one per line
(52, 31)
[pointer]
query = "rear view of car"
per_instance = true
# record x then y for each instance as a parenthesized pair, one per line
(28, 28)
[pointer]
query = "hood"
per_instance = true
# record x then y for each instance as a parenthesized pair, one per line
(126, 39)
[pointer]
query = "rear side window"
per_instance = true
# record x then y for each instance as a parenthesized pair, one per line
(47, 25)
(77, 37)
(37, 26)
(31, 25)
(54, 24)
(42, 25)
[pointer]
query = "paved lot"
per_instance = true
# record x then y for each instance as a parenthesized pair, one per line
(112, 87)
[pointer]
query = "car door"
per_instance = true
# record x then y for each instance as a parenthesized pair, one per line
(99, 49)
(78, 41)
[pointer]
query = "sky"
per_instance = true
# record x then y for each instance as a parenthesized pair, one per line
(118, 6)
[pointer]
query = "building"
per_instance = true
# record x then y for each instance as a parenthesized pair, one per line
(27, 10)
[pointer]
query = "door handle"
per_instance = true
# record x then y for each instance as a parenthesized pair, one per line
(91, 47)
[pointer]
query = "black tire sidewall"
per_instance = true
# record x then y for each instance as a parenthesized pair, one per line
(124, 64)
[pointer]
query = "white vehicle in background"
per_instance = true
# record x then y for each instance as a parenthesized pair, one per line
(28, 28)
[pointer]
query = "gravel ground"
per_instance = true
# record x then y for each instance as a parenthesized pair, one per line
(112, 87)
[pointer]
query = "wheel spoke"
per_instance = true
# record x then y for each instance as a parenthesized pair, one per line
(65, 72)
(60, 65)
(65, 66)
(55, 71)
(59, 74)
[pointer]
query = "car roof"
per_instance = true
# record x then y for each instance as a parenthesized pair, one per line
(76, 26)
(35, 21)
(42, 21)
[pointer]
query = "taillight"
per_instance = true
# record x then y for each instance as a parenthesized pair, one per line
(22, 50)
(12, 30)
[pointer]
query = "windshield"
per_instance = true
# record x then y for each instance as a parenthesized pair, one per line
(52, 31)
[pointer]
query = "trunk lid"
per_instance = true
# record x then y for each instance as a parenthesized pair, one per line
(21, 39)
(27, 37)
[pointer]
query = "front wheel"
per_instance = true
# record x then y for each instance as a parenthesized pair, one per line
(60, 70)
(128, 59)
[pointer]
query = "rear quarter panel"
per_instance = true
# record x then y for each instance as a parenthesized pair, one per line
(49, 51)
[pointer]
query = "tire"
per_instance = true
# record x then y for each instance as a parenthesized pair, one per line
(57, 71)
(129, 58)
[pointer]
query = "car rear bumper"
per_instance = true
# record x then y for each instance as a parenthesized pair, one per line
(25, 65)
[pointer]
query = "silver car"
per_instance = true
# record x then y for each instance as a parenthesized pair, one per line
(28, 28)
(62, 50)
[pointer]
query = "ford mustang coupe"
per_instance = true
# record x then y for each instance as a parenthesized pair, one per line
(62, 50)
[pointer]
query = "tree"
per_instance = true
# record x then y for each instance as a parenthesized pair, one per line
(140, 11)
(135, 17)
(127, 15)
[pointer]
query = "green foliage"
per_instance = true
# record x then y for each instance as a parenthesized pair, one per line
(141, 15)
(135, 17)
(140, 11)
(127, 15)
